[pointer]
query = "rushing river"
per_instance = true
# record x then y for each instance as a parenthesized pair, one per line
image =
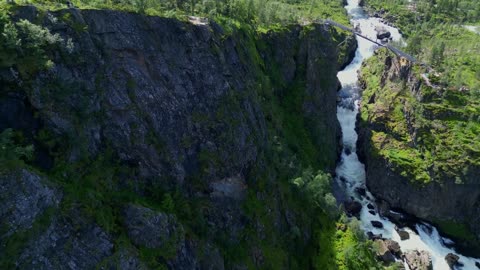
(353, 171)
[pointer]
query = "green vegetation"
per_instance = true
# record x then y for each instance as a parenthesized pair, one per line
(100, 186)
(432, 134)
(316, 189)
(13, 152)
(350, 250)
(407, 13)
(24, 45)
(457, 230)
(255, 12)
(436, 36)
(445, 121)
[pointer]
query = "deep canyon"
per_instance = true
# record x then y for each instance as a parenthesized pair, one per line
(140, 142)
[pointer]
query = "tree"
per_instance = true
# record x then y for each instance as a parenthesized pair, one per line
(317, 191)
(437, 54)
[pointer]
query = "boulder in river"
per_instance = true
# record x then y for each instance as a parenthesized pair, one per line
(377, 224)
(353, 208)
(373, 236)
(371, 212)
(477, 264)
(419, 260)
(361, 191)
(383, 253)
(370, 206)
(394, 247)
(382, 33)
(396, 218)
(404, 235)
(451, 260)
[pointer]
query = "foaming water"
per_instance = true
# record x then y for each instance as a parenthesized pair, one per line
(351, 172)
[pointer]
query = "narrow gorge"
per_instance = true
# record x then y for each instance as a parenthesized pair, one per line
(162, 143)
(233, 134)
(389, 191)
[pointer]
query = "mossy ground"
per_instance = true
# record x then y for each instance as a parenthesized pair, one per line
(426, 136)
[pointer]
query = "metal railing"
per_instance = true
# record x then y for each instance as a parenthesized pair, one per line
(388, 46)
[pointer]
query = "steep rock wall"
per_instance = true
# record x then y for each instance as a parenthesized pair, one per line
(401, 166)
(149, 107)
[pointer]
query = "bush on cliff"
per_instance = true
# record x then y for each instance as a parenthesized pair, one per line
(24, 45)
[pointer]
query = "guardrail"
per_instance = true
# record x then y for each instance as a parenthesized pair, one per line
(388, 46)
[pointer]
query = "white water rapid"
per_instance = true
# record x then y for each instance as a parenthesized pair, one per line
(353, 171)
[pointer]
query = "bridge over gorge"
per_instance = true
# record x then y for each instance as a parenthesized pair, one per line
(388, 46)
(396, 51)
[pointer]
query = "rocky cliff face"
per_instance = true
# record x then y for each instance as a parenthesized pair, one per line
(404, 168)
(156, 133)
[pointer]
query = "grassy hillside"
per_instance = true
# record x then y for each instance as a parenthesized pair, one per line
(256, 12)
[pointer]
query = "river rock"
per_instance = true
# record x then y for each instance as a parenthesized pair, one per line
(477, 264)
(377, 224)
(373, 236)
(371, 212)
(383, 253)
(353, 208)
(370, 206)
(361, 191)
(404, 235)
(451, 260)
(382, 33)
(396, 218)
(419, 260)
(348, 151)
(394, 247)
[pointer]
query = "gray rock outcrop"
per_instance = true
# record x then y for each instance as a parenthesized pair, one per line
(452, 260)
(419, 260)
(152, 229)
(67, 244)
(157, 230)
(24, 196)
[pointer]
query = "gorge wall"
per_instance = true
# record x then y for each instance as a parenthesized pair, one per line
(415, 157)
(160, 143)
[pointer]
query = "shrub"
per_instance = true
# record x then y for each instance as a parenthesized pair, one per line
(317, 190)
(25, 45)
(12, 154)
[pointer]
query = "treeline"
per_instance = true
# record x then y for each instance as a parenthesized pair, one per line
(259, 12)
(445, 11)
(435, 35)
(450, 10)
